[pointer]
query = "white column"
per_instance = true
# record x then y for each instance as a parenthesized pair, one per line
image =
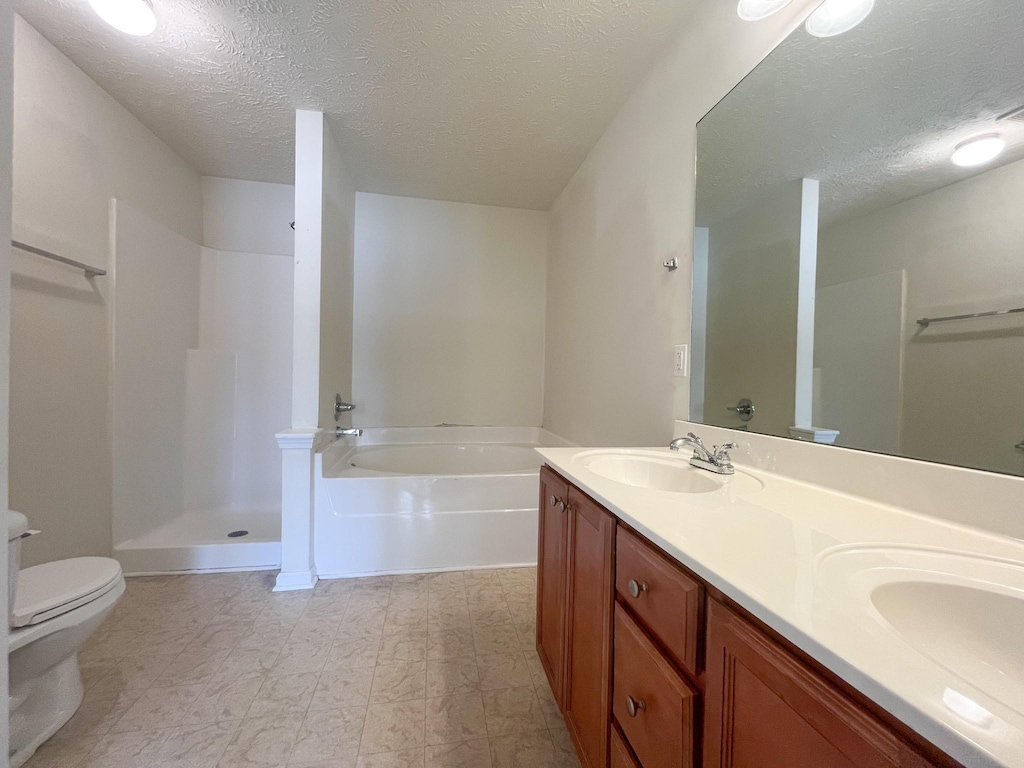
(806, 291)
(298, 571)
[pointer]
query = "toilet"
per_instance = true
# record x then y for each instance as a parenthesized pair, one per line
(54, 609)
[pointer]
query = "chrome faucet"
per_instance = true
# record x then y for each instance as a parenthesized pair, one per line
(341, 432)
(714, 460)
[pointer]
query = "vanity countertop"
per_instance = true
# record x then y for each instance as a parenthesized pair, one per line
(883, 597)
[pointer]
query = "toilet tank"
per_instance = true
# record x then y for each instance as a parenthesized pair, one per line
(17, 527)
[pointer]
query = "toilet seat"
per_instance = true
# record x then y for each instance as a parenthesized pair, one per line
(51, 589)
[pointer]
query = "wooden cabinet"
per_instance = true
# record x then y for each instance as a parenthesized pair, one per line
(552, 578)
(654, 668)
(654, 706)
(766, 709)
(589, 643)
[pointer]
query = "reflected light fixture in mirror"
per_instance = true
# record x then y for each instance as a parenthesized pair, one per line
(133, 17)
(755, 10)
(979, 150)
(834, 17)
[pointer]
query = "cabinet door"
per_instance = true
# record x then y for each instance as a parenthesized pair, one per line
(591, 600)
(552, 574)
(766, 709)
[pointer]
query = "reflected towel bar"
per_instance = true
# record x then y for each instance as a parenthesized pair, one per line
(89, 271)
(924, 322)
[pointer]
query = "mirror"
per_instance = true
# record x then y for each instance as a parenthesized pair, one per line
(854, 285)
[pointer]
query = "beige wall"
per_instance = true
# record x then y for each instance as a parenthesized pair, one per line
(336, 276)
(613, 312)
(74, 149)
(961, 248)
(449, 313)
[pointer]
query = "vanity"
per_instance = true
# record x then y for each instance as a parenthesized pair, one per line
(686, 619)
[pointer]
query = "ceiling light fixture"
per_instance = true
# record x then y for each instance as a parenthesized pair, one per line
(755, 10)
(979, 150)
(834, 17)
(133, 17)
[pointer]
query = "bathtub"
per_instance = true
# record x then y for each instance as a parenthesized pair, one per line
(406, 500)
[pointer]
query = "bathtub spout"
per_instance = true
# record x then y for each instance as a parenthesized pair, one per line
(339, 432)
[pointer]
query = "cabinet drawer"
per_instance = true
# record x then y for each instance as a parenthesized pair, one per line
(621, 756)
(668, 602)
(651, 702)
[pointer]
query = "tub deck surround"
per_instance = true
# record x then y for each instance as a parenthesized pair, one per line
(803, 559)
(399, 500)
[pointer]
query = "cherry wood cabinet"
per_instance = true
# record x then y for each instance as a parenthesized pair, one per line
(654, 668)
(589, 642)
(552, 578)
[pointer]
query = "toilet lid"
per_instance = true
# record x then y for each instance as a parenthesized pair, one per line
(50, 589)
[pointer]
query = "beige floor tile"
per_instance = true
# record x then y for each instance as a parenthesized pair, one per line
(135, 671)
(504, 670)
(159, 708)
(393, 727)
(262, 742)
(565, 750)
(485, 615)
(354, 652)
(326, 608)
(466, 754)
(450, 643)
(359, 622)
(455, 718)
(530, 749)
(536, 668)
(282, 695)
(552, 714)
(408, 758)
(445, 677)
(194, 746)
(247, 662)
(342, 688)
(222, 633)
(513, 710)
(168, 641)
(132, 749)
(99, 711)
(302, 656)
(403, 646)
(223, 700)
(398, 620)
(314, 629)
(192, 666)
(64, 751)
(329, 735)
(496, 638)
(399, 682)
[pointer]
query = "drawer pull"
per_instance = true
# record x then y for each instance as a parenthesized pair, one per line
(637, 589)
(633, 706)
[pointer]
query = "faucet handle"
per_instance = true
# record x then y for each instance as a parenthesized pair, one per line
(722, 451)
(695, 439)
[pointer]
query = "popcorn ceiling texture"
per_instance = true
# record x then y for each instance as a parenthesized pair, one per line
(485, 101)
(874, 114)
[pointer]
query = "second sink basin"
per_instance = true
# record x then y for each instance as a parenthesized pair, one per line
(658, 471)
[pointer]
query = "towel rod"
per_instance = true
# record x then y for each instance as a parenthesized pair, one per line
(90, 272)
(924, 322)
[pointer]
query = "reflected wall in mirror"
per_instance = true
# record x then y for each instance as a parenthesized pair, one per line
(846, 269)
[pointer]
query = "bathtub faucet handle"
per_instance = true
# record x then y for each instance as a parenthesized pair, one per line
(340, 407)
(339, 432)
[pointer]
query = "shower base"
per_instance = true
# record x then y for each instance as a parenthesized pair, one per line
(198, 542)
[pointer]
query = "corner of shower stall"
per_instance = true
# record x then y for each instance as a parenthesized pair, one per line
(201, 383)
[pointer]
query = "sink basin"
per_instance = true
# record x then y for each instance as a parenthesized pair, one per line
(974, 633)
(659, 471)
(962, 611)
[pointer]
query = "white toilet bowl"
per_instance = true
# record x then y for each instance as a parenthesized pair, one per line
(55, 607)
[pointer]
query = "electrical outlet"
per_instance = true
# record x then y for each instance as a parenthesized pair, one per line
(681, 360)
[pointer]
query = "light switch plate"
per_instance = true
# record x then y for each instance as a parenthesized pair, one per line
(681, 360)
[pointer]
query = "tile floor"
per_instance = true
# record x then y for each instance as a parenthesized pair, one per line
(424, 671)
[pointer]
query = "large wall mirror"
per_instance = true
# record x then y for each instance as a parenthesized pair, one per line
(859, 243)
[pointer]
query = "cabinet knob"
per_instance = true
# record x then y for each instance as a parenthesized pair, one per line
(633, 706)
(637, 588)
(557, 502)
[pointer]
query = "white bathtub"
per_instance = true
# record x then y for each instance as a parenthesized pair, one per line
(423, 499)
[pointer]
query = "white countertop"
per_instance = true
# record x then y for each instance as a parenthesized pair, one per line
(803, 559)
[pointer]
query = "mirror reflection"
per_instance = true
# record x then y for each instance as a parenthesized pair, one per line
(859, 241)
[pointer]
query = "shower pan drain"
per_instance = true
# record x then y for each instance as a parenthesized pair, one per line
(237, 534)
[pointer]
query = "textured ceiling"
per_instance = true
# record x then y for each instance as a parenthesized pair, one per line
(485, 101)
(875, 113)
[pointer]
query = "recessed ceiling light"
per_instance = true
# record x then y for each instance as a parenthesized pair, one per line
(979, 150)
(834, 17)
(133, 17)
(755, 10)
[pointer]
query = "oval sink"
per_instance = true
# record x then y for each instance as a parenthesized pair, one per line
(658, 471)
(974, 633)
